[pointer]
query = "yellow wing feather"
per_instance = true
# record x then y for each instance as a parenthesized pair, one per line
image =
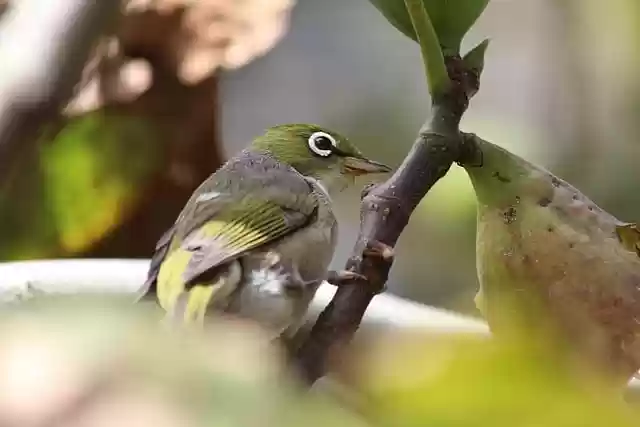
(230, 233)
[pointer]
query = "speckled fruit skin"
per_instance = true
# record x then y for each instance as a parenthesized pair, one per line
(547, 256)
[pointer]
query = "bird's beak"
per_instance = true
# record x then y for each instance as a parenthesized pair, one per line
(361, 166)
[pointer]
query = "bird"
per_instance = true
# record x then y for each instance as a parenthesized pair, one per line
(256, 238)
(549, 260)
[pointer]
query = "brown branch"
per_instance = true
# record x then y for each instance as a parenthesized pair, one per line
(4, 6)
(385, 212)
(42, 69)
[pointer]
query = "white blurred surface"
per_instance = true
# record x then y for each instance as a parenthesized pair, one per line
(20, 279)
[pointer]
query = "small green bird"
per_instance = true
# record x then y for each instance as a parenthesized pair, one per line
(256, 238)
(549, 259)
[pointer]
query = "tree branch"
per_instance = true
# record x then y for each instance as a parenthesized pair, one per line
(385, 212)
(43, 49)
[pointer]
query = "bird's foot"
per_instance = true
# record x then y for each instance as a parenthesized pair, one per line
(366, 190)
(343, 277)
(374, 249)
(346, 277)
(379, 250)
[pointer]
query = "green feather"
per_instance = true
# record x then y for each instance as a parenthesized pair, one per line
(240, 228)
(234, 230)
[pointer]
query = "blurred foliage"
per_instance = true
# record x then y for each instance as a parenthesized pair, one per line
(417, 380)
(140, 132)
(137, 371)
(80, 184)
(93, 170)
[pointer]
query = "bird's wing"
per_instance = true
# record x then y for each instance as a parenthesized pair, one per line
(237, 229)
(246, 204)
(148, 290)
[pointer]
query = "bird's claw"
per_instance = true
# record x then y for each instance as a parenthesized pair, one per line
(374, 249)
(342, 277)
(377, 249)
(345, 277)
(366, 190)
(381, 252)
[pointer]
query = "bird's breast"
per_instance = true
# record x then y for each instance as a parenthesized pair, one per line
(266, 293)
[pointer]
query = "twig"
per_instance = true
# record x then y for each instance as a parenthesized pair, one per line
(385, 212)
(43, 49)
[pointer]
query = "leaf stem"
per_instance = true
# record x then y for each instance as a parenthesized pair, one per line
(435, 68)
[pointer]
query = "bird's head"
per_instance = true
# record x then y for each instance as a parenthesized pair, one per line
(318, 153)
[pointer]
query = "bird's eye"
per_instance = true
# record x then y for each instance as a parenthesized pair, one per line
(322, 144)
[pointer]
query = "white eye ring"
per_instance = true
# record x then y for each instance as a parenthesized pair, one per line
(323, 152)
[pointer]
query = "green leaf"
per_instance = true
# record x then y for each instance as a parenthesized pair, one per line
(92, 172)
(77, 185)
(474, 59)
(464, 381)
(26, 225)
(451, 19)
(396, 13)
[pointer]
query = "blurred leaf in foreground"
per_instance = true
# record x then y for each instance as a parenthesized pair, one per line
(90, 361)
(442, 381)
